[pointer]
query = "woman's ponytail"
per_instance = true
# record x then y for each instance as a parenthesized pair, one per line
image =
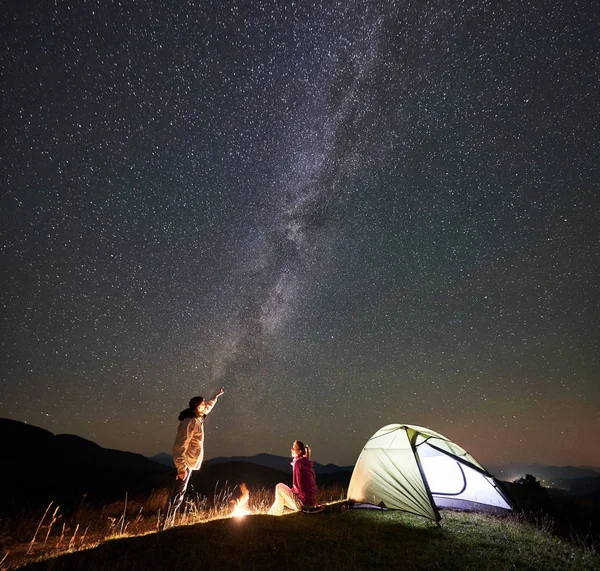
(304, 449)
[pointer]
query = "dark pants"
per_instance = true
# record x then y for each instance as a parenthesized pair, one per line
(176, 497)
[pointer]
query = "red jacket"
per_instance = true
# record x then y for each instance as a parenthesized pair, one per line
(305, 485)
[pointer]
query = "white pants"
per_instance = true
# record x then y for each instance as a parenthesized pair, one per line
(284, 498)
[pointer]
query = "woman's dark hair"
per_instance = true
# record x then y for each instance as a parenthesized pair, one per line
(304, 449)
(195, 401)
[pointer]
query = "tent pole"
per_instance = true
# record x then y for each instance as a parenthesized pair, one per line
(411, 438)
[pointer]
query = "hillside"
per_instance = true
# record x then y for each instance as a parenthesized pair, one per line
(341, 540)
(230, 474)
(281, 463)
(68, 467)
(575, 479)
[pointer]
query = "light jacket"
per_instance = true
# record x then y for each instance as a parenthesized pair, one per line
(188, 449)
(305, 484)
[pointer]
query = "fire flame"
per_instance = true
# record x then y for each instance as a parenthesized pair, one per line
(239, 509)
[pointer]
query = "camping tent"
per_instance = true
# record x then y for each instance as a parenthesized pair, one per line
(417, 470)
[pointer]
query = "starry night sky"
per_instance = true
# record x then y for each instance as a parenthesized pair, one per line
(347, 213)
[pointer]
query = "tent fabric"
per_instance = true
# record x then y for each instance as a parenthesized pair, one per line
(416, 470)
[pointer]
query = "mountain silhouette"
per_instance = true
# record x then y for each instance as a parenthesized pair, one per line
(38, 466)
(548, 474)
(281, 463)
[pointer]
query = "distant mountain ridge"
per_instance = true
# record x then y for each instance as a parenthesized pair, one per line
(281, 463)
(65, 468)
(164, 459)
(574, 480)
(548, 474)
(68, 467)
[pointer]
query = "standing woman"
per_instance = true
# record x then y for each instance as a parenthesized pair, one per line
(188, 451)
(303, 494)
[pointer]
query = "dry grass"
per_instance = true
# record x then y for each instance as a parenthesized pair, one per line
(28, 537)
(358, 540)
(352, 540)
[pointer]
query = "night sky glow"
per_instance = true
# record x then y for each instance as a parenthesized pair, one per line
(347, 213)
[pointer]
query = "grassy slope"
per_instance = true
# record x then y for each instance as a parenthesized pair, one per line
(357, 539)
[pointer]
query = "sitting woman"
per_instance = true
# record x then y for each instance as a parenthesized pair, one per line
(303, 494)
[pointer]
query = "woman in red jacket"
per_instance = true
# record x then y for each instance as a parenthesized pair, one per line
(303, 494)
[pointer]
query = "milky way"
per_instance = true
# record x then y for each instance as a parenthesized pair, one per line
(320, 163)
(346, 213)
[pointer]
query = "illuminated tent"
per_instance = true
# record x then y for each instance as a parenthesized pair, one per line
(417, 470)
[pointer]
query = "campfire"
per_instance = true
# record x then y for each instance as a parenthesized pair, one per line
(240, 505)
